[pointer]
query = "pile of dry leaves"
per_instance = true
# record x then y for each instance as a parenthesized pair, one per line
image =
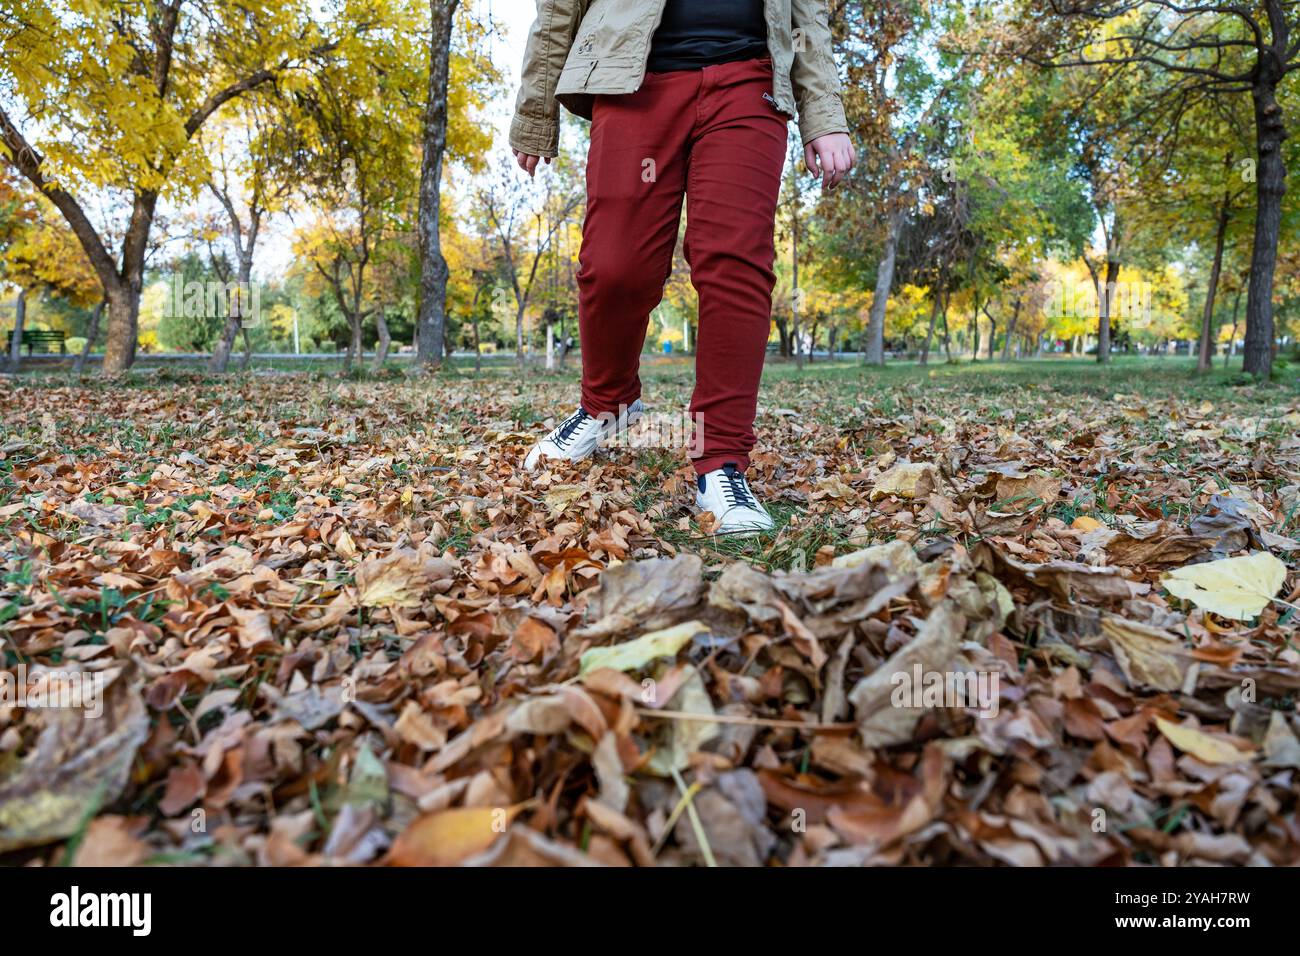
(334, 623)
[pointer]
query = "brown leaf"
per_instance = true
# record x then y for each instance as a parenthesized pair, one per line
(642, 594)
(1149, 656)
(401, 578)
(113, 841)
(880, 723)
(78, 764)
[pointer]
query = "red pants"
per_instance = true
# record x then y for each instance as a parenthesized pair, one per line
(711, 135)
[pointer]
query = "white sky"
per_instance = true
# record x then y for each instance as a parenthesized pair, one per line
(513, 18)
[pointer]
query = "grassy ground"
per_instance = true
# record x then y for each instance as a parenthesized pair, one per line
(224, 541)
(836, 398)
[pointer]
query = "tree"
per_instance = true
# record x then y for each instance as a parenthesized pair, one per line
(431, 323)
(114, 96)
(360, 175)
(1091, 110)
(39, 255)
(251, 179)
(894, 96)
(1193, 179)
(524, 230)
(448, 131)
(1210, 49)
(186, 323)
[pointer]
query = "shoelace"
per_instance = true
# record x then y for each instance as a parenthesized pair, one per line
(736, 490)
(564, 434)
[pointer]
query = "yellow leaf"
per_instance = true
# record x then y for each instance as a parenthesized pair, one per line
(449, 837)
(1237, 588)
(1202, 746)
(631, 655)
(906, 480)
(1085, 523)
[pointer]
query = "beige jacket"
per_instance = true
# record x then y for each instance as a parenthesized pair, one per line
(579, 48)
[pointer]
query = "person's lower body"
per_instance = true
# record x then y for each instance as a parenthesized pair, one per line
(714, 137)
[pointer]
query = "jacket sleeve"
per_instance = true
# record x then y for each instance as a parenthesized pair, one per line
(815, 79)
(535, 128)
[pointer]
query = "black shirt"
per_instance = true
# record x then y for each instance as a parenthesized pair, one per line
(696, 33)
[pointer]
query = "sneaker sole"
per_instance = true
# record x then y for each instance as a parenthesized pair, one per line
(747, 531)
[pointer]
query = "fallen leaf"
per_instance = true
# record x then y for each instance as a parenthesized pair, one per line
(78, 764)
(1204, 747)
(449, 837)
(400, 578)
(880, 723)
(906, 479)
(635, 654)
(1236, 588)
(1149, 656)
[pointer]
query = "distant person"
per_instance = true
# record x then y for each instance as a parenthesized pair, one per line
(686, 97)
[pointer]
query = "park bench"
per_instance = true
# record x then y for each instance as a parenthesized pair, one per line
(35, 337)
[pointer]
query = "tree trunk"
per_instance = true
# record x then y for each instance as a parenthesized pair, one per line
(875, 350)
(929, 332)
(20, 320)
(783, 334)
(431, 321)
(1010, 337)
(124, 293)
(123, 326)
(234, 322)
(244, 246)
(1232, 342)
(993, 331)
(354, 341)
(92, 333)
(1206, 350)
(1270, 187)
(385, 340)
(478, 347)
(794, 268)
(947, 337)
(221, 351)
(519, 337)
(1105, 303)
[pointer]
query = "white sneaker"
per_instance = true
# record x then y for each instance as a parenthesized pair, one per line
(725, 492)
(581, 434)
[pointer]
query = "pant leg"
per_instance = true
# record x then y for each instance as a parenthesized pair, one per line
(731, 196)
(636, 175)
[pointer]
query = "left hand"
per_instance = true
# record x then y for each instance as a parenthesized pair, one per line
(829, 158)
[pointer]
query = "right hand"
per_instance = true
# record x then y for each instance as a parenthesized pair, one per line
(528, 162)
